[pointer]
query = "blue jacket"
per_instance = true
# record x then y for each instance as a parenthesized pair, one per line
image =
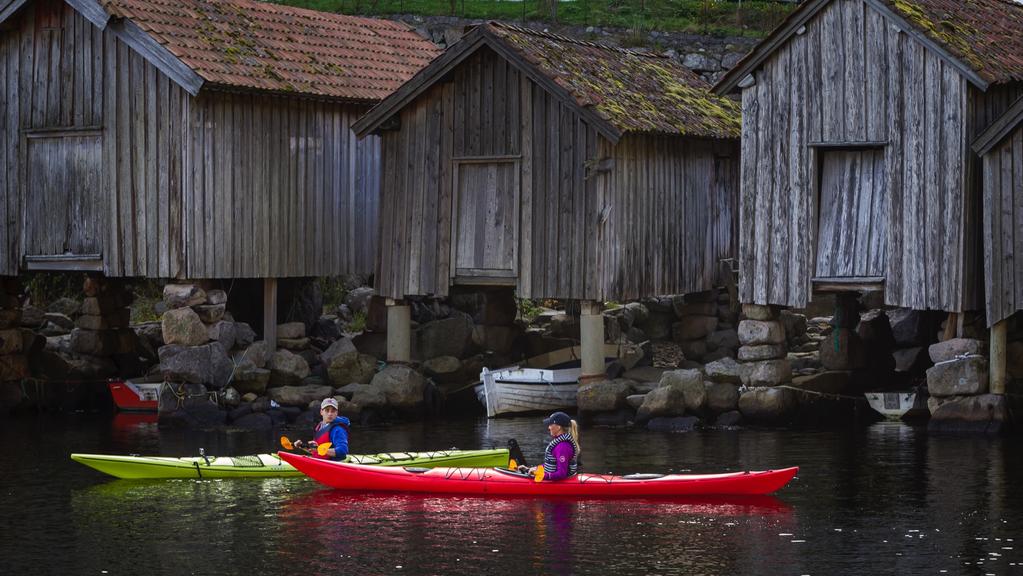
(337, 434)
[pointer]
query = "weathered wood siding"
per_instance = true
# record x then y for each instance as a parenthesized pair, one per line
(853, 78)
(223, 185)
(1003, 227)
(672, 216)
(277, 187)
(651, 215)
(853, 218)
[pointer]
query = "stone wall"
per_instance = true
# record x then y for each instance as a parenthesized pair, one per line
(708, 56)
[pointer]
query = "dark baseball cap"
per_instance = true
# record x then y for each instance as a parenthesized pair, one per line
(559, 418)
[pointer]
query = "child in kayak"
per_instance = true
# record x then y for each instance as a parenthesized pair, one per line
(561, 458)
(333, 429)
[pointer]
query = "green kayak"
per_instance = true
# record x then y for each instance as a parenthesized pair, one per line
(270, 465)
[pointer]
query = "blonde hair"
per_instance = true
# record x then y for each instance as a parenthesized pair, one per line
(573, 430)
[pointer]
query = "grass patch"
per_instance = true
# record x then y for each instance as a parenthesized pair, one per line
(358, 323)
(716, 17)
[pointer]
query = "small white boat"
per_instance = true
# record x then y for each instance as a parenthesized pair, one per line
(533, 387)
(897, 405)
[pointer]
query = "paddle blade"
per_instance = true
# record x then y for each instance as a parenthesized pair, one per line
(286, 443)
(512, 464)
(539, 474)
(321, 449)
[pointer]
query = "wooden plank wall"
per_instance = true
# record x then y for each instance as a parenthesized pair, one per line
(226, 185)
(51, 76)
(672, 216)
(855, 77)
(1003, 221)
(277, 187)
(655, 220)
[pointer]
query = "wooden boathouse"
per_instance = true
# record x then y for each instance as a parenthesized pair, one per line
(192, 138)
(563, 168)
(858, 170)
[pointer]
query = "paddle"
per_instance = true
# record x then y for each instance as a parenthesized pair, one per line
(321, 449)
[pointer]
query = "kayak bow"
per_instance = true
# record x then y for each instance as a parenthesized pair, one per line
(494, 481)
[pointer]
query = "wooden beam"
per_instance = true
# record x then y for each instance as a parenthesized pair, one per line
(92, 11)
(157, 55)
(865, 284)
(864, 145)
(66, 263)
(999, 336)
(270, 314)
(11, 7)
(998, 130)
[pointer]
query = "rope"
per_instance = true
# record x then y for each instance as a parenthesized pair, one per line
(821, 394)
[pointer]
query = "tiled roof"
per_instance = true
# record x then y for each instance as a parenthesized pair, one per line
(256, 45)
(986, 35)
(632, 91)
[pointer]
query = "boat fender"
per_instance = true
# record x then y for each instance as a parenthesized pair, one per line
(416, 470)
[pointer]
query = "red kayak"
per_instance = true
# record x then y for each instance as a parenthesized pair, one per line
(497, 481)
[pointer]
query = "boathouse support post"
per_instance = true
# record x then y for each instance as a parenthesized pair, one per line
(591, 328)
(399, 331)
(270, 313)
(998, 361)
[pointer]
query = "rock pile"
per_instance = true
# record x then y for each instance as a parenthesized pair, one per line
(13, 363)
(958, 387)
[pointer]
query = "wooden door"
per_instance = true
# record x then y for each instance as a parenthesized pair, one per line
(487, 223)
(852, 227)
(63, 203)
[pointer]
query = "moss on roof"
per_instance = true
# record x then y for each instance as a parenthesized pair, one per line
(634, 92)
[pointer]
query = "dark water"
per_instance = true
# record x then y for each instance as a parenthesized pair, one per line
(886, 499)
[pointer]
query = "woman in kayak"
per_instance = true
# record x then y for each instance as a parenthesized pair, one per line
(561, 459)
(333, 429)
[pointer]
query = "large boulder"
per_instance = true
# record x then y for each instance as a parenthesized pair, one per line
(694, 327)
(722, 396)
(183, 295)
(244, 335)
(357, 299)
(761, 313)
(657, 326)
(210, 313)
(67, 306)
(208, 364)
(724, 370)
(247, 378)
(955, 347)
(761, 352)
(291, 330)
(444, 369)
(681, 378)
(770, 372)
(299, 395)
(723, 339)
(287, 369)
(404, 388)
(258, 353)
(683, 308)
(151, 332)
(830, 382)
(754, 332)
(222, 331)
(359, 369)
(984, 413)
(342, 350)
(958, 377)
(603, 396)
(911, 360)
(183, 326)
(663, 401)
(768, 405)
(446, 337)
(368, 396)
(842, 350)
(910, 328)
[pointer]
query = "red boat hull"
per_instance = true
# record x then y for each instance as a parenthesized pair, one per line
(128, 396)
(490, 481)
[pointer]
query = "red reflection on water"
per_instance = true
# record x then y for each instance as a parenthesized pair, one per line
(124, 421)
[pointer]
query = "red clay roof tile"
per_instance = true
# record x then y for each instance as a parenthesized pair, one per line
(257, 45)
